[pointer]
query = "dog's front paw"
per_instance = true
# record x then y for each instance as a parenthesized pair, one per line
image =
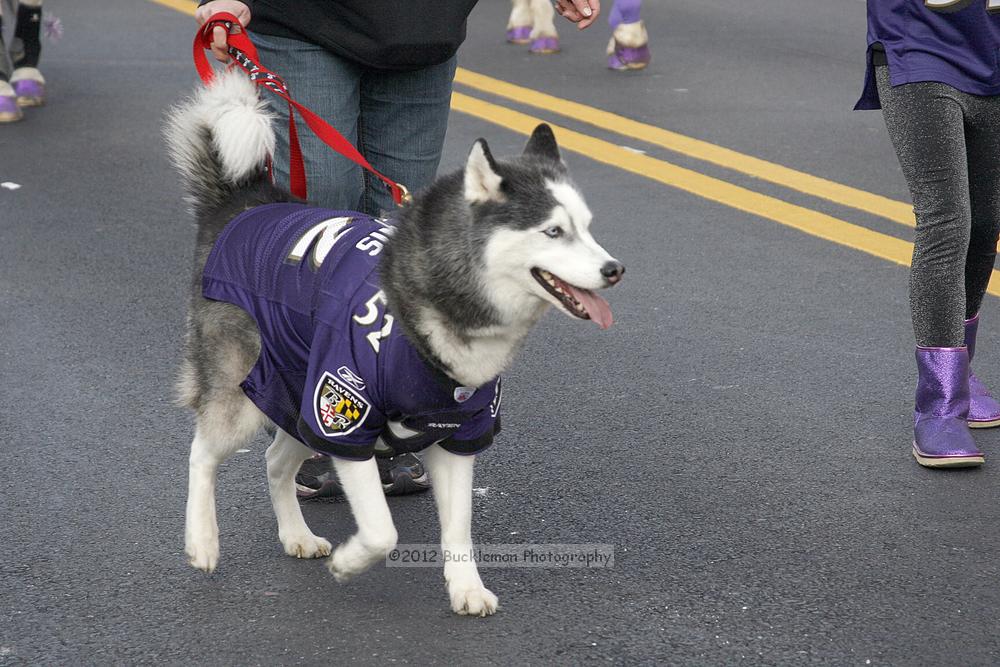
(353, 557)
(346, 563)
(472, 601)
(202, 554)
(306, 546)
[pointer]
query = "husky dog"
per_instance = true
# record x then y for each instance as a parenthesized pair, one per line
(291, 325)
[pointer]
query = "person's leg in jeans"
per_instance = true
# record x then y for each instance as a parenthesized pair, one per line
(397, 120)
(404, 116)
(329, 85)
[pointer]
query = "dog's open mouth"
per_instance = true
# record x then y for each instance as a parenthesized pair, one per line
(582, 303)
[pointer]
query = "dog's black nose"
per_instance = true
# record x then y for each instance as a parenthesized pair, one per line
(613, 271)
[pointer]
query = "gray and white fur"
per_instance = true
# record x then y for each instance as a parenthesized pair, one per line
(468, 272)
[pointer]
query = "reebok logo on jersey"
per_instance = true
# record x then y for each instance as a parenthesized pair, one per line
(351, 378)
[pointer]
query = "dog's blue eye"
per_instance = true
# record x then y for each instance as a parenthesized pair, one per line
(554, 232)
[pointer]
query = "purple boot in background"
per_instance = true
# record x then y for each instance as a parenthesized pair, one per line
(629, 45)
(29, 86)
(519, 34)
(629, 48)
(544, 44)
(984, 410)
(9, 110)
(941, 436)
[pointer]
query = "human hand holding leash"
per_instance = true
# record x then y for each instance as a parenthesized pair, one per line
(238, 9)
(581, 12)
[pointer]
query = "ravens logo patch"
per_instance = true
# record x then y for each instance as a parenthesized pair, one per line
(339, 408)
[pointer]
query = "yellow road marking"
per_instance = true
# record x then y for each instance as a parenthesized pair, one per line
(702, 150)
(183, 6)
(804, 219)
(798, 217)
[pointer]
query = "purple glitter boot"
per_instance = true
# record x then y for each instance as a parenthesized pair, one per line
(984, 410)
(519, 34)
(9, 111)
(941, 436)
(545, 44)
(29, 86)
(629, 47)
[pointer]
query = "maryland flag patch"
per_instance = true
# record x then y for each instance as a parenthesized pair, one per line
(339, 409)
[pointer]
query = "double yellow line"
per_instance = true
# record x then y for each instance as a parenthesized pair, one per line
(702, 150)
(771, 208)
(801, 218)
(713, 189)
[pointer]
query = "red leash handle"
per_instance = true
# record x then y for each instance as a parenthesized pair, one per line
(236, 35)
(245, 55)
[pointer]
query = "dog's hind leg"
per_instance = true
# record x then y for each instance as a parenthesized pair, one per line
(451, 479)
(284, 457)
(222, 426)
(376, 535)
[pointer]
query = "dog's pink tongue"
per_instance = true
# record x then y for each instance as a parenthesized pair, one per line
(597, 307)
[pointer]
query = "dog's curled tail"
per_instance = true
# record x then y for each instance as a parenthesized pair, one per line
(219, 139)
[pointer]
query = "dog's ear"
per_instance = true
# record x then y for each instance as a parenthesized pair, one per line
(543, 144)
(482, 182)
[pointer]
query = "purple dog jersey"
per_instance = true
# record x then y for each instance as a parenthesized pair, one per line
(954, 43)
(335, 370)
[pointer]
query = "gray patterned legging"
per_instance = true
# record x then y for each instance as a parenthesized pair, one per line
(948, 145)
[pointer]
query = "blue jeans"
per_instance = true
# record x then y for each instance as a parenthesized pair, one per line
(397, 120)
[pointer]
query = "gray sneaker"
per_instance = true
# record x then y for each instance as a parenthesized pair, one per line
(401, 475)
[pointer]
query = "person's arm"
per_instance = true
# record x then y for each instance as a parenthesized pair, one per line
(238, 9)
(581, 12)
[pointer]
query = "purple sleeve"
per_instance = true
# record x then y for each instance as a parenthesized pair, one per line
(476, 434)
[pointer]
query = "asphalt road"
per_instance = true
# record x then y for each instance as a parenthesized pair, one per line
(740, 435)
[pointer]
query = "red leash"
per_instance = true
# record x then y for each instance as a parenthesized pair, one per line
(245, 55)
